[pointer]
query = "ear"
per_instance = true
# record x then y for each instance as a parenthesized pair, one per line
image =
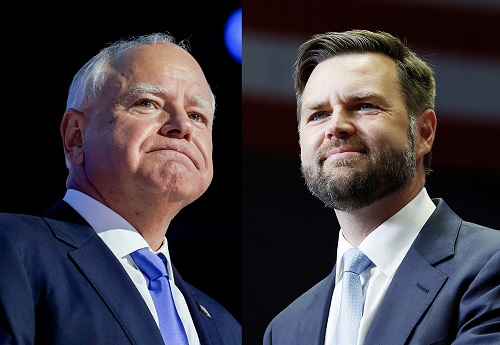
(426, 132)
(72, 133)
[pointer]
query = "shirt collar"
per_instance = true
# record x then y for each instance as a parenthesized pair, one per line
(387, 245)
(118, 234)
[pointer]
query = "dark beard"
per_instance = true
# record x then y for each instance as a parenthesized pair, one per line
(388, 171)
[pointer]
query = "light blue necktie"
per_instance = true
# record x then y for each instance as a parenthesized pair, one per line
(352, 300)
(153, 267)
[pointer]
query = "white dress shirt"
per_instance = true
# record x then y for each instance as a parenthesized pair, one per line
(121, 237)
(386, 247)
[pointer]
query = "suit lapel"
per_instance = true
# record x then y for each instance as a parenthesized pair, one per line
(205, 326)
(317, 317)
(106, 275)
(416, 282)
(410, 294)
(310, 326)
(112, 283)
(110, 280)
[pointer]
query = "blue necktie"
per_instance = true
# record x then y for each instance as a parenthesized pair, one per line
(352, 300)
(153, 267)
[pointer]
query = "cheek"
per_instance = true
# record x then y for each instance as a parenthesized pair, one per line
(135, 134)
(398, 137)
(205, 145)
(309, 143)
(99, 144)
(380, 136)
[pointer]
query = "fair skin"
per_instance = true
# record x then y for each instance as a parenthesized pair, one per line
(144, 149)
(355, 97)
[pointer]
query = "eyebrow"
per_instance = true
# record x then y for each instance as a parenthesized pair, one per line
(364, 95)
(204, 104)
(314, 105)
(145, 88)
(155, 89)
(357, 96)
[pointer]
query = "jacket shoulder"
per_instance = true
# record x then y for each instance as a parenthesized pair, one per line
(304, 319)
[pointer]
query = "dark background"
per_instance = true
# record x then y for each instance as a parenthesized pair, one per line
(289, 238)
(38, 66)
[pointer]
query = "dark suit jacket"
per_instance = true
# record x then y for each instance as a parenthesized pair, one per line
(446, 289)
(61, 284)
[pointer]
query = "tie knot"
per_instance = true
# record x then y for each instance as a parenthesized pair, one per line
(355, 261)
(149, 263)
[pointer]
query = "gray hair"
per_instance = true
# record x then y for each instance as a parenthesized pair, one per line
(89, 80)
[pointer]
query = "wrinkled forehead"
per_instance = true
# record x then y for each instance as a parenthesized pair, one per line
(161, 59)
(163, 65)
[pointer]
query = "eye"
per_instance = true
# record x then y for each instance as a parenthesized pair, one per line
(196, 117)
(146, 103)
(318, 116)
(365, 106)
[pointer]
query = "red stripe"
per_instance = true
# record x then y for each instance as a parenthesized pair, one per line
(471, 31)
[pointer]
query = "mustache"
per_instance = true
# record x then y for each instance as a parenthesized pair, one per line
(351, 142)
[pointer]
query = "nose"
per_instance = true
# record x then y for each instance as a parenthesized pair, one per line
(178, 124)
(340, 125)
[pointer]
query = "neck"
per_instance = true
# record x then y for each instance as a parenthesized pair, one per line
(358, 224)
(151, 222)
(150, 216)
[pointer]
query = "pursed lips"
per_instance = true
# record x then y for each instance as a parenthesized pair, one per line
(343, 151)
(179, 152)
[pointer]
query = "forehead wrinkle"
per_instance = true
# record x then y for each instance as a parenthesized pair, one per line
(181, 73)
(186, 74)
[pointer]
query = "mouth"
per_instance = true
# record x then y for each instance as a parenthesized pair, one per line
(169, 154)
(344, 152)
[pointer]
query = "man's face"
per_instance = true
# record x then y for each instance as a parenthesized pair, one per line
(150, 135)
(356, 146)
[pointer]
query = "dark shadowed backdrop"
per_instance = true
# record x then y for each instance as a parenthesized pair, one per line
(39, 65)
(289, 238)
